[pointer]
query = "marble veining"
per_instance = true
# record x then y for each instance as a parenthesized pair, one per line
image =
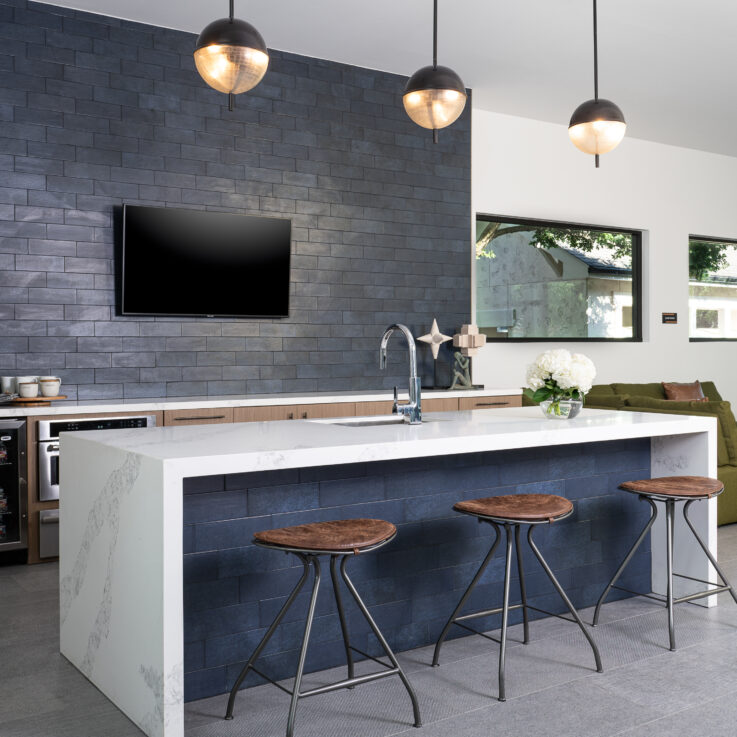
(122, 614)
(105, 511)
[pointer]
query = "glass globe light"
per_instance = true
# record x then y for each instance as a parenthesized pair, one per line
(597, 126)
(231, 56)
(434, 97)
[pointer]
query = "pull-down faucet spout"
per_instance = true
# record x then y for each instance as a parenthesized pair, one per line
(412, 412)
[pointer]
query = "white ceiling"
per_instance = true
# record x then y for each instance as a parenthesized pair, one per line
(671, 65)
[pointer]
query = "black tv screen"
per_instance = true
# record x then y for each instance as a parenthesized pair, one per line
(203, 264)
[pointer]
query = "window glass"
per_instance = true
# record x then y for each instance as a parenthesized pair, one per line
(538, 280)
(712, 303)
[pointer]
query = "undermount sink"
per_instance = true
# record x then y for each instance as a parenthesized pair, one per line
(365, 421)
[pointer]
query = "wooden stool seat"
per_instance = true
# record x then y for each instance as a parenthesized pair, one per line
(348, 534)
(518, 507)
(693, 487)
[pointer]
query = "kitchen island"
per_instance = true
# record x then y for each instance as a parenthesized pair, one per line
(163, 596)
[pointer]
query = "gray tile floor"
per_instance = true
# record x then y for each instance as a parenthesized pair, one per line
(552, 688)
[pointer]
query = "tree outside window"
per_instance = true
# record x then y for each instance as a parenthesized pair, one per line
(539, 280)
(712, 303)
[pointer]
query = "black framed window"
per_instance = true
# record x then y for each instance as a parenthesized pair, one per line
(539, 280)
(712, 288)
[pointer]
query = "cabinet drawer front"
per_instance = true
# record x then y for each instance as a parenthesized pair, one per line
(365, 409)
(512, 400)
(266, 414)
(444, 404)
(335, 409)
(198, 416)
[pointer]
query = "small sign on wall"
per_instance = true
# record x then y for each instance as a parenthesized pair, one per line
(670, 318)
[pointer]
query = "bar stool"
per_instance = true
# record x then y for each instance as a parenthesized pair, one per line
(512, 511)
(339, 539)
(669, 490)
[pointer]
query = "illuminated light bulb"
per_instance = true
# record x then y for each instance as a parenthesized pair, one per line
(597, 127)
(231, 55)
(434, 97)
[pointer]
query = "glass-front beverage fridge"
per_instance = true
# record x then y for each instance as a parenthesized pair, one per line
(13, 498)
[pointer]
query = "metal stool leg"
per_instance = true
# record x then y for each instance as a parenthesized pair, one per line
(341, 616)
(466, 594)
(303, 651)
(711, 558)
(627, 559)
(383, 642)
(669, 524)
(522, 588)
(505, 612)
(265, 639)
(565, 598)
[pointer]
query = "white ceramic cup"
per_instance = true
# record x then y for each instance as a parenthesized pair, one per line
(7, 384)
(49, 378)
(49, 387)
(25, 380)
(28, 389)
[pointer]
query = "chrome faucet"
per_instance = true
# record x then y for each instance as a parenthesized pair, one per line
(412, 412)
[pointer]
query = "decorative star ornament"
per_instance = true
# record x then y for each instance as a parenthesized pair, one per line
(435, 338)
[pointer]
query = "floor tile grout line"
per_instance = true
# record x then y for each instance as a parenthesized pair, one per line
(673, 713)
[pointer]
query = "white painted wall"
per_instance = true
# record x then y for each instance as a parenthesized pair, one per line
(528, 168)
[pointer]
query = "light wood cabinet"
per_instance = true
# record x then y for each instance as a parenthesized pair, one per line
(266, 414)
(178, 417)
(440, 404)
(512, 400)
(365, 409)
(335, 409)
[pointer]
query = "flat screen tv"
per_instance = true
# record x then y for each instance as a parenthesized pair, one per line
(203, 264)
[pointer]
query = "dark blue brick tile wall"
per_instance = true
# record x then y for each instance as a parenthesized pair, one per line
(96, 112)
(233, 590)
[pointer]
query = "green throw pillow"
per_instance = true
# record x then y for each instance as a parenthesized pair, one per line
(710, 391)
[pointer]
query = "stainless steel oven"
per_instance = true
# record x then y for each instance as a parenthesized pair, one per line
(48, 445)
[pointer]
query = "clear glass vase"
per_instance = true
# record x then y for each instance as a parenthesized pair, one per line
(561, 409)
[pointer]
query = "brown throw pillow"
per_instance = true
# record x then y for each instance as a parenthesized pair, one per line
(684, 392)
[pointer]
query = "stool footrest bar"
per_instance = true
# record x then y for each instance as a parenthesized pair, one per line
(348, 682)
(552, 614)
(478, 632)
(371, 657)
(654, 597)
(271, 680)
(701, 594)
(486, 613)
(698, 580)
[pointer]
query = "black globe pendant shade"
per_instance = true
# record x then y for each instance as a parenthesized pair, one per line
(435, 95)
(231, 56)
(597, 126)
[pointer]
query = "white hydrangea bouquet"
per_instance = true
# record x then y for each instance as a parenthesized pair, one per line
(558, 381)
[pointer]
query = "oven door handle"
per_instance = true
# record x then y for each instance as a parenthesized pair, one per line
(52, 448)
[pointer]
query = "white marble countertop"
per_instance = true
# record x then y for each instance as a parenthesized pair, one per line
(97, 406)
(258, 446)
(121, 519)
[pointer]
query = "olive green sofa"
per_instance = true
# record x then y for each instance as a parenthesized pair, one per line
(651, 398)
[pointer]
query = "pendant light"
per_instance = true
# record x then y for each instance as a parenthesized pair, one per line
(231, 56)
(434, 96)
(597, 126)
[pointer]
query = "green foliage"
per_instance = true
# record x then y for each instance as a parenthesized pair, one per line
(619, 244)
(706, 257)
(551, 390)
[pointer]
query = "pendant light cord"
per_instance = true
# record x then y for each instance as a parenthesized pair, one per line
(232, 10)
(596, 57)
(435, 35)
